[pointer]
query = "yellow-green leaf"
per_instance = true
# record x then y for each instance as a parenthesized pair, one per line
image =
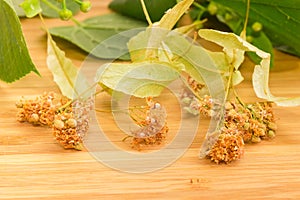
(65, 73)
(260, 79)
(197, 61)
(237, 77)
(31, 7)
(145, 45)
(142, 79)
(172, 16)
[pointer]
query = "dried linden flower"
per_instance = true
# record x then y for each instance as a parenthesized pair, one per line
(72, 124)
(153, 128)
(58, 124)
(41, 110)
(64, 134)
(229, 147)
(68, 119)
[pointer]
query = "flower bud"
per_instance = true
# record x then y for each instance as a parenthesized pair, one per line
(58, 124)
(71, 123)
(19, 104)
(271, 134)
(272, 126)
(249, 38)
(34, 118)
(255, 139)
(228, 16)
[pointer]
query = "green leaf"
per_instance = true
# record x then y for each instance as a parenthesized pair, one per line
(133, 8)
(142, 79)
(15, 61)
(92, 34)
(53, 13)
(280, 19)
(66, 75)
(31, 7)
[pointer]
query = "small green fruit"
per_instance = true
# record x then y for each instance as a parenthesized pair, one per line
(257, 27)
(85, 6)
(212, 8)
(65, 14)
(228, 16)
(249, 38)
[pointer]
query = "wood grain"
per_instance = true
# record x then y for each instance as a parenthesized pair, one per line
(34, 166)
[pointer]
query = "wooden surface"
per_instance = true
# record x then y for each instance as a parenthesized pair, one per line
(34, 166)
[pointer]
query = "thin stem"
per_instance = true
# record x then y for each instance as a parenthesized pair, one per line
(243, 33)
(185, 51)
(199, 6)
(136, 118)
(126, 137)
(177, 57)
(102, 111)
(238, 98)
(78, 1)
(87, 90)
(99, 92)
(165, 51)
(146, 13)
(122, 110)
(43, 22)
(64, 4)
(79, 96)
(65, 106)
(250, 110)
(229, 83)
(190, 27)
(52, 6)
(138, 107)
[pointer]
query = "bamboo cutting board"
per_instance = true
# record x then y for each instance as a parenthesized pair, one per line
(34, 166)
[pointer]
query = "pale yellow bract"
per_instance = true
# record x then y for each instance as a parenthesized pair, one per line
(234, 47)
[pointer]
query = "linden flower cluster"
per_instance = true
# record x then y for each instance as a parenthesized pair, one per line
(153, 128)
(68, 119)
(228, 147)
(248, 123)
(242, 123)
(41, 110)
(71, 125)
